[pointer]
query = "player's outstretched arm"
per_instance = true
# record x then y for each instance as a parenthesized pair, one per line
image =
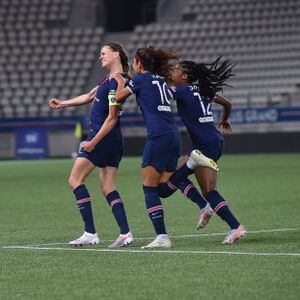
(79, 100)
(122, 92)
(224, 123)
(105, 129)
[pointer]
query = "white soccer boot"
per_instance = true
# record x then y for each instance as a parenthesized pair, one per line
(234, 234)
(197, 159)
(204, 217)
(122, 241)
(161, 241)
(86, 239)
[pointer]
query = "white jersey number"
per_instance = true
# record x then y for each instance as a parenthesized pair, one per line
(162, 91)
(206, 110)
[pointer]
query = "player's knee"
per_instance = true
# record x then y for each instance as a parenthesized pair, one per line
(106, 189)
(73, 182)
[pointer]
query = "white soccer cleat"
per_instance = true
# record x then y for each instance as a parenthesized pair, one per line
(234, 234)
(204, 217)
(122, 241)
(161, 241)
(86, 239)
(197, 159)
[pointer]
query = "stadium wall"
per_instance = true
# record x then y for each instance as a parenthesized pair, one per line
(63, 143)
(255, 130)
(234, 143)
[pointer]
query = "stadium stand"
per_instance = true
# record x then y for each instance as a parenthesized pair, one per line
(261, 37)
(42, 55)
(39, 59)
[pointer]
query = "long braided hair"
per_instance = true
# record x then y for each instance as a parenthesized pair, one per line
(210, 78)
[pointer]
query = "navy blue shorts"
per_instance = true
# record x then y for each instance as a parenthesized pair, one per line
(213, 150)
(162, 152)
(107, 153)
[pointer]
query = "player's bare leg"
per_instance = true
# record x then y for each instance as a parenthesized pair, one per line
(80, 171)
(107, 179)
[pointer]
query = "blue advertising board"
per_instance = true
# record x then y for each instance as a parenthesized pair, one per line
(31, 142)
(262, 115)
(237, 116)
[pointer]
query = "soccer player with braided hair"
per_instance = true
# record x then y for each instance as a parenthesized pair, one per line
(196, 87)
(162, 147)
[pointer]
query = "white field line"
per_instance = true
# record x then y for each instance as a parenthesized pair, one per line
(200, 235)
(158, 251)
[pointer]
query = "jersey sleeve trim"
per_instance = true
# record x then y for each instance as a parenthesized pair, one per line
(130, 90)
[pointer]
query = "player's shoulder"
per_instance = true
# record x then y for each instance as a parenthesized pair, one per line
(136, 79)
(155, 76)
(181, 89)
(149, 76)
(139, 76)
(112, 80)
(104, 81)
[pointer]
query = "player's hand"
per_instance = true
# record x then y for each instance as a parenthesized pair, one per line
(55, 103)
(88, 146)
(224, 126)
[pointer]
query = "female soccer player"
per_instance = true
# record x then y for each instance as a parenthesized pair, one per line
(103, 147)
(162, 147)
(196, 88)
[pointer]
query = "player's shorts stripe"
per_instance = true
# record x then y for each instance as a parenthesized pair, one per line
(154, 208)
(80, 201)
(171, 186)
(186, 190)
(221, 204)
(112, 203)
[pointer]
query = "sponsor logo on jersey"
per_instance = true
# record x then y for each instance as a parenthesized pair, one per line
(206, 119)
(164, 108)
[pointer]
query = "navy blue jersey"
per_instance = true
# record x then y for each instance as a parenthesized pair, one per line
(105, 97)
(196, 114)
(154, 98)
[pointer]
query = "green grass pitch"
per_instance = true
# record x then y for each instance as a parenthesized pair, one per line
(37, 208)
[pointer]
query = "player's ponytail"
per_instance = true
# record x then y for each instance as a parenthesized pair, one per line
(156, 60)
(117, 47)
(211, 78)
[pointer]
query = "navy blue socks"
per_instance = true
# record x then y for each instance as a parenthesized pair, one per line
(83, 201)
(155, 209)
(220, 207)
(118, 210)
(188, 190)
(178, 177)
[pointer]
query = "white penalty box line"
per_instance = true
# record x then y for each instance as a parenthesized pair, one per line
(128, 250)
